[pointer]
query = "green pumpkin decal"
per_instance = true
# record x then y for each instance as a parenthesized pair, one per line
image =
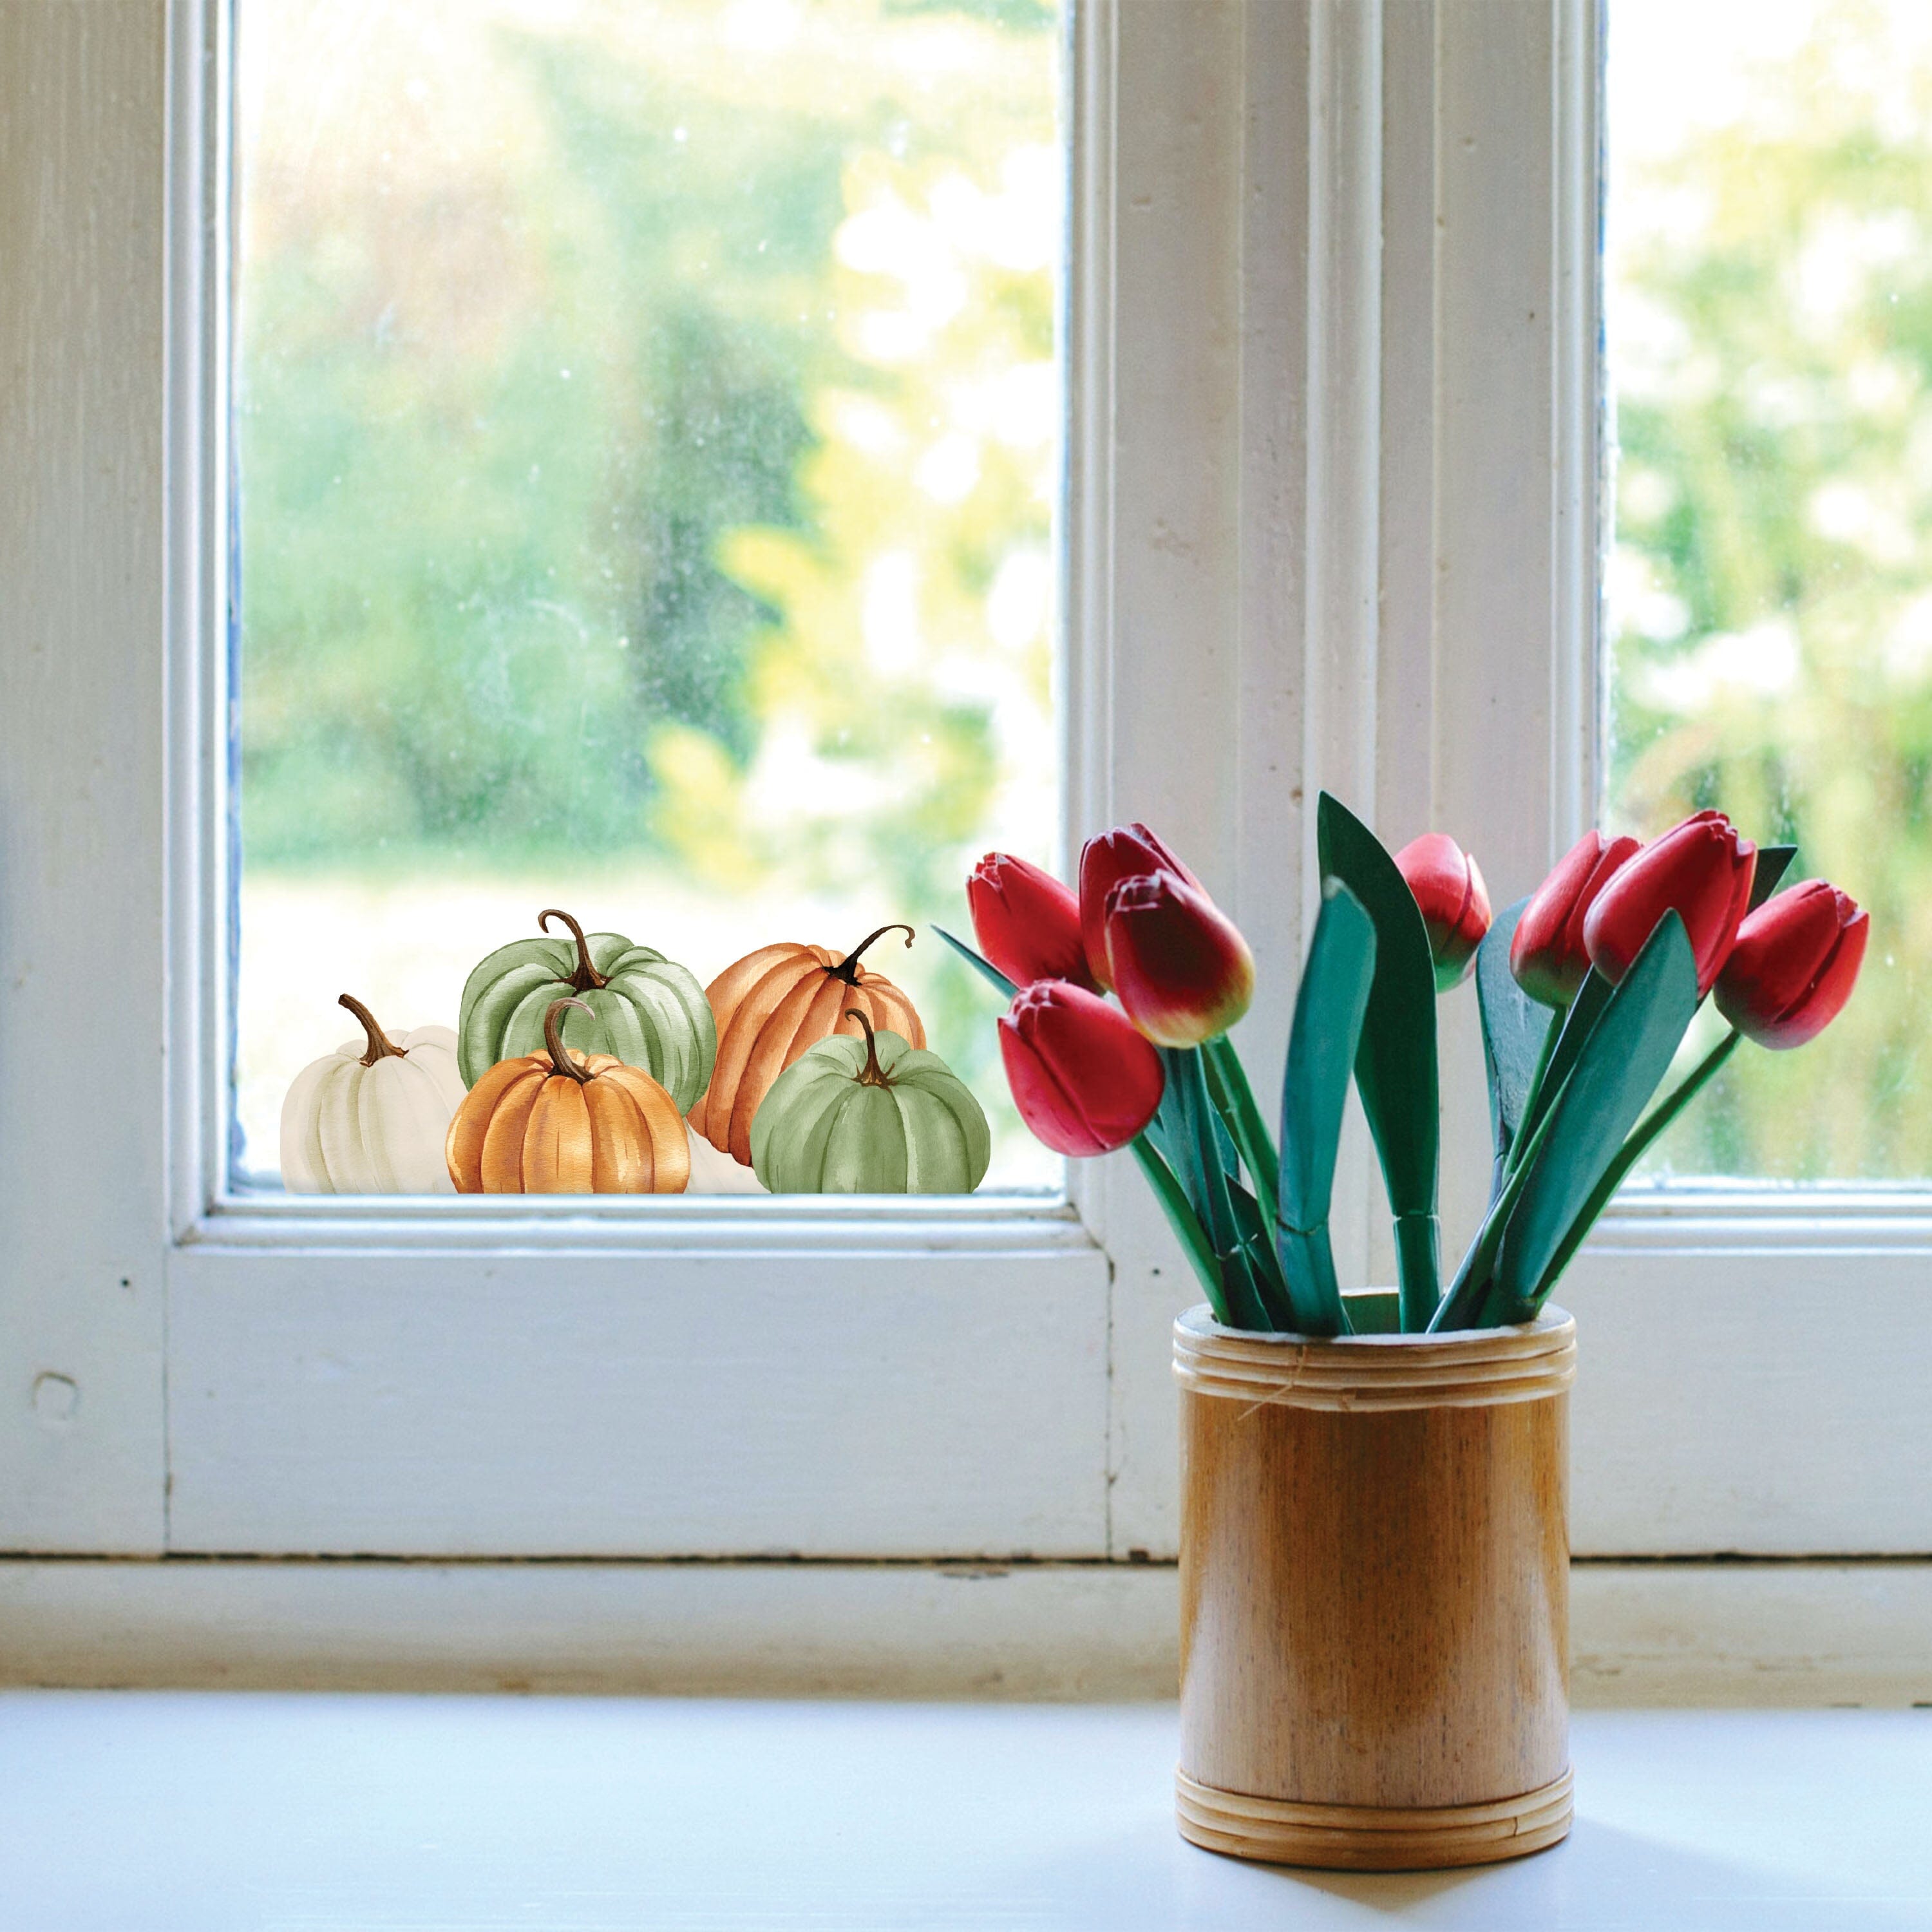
(637, 1006)
(879, 1116)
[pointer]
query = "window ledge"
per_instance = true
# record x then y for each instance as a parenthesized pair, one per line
(193, 1810)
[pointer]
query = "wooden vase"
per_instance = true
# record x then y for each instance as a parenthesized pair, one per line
(1375, 1594)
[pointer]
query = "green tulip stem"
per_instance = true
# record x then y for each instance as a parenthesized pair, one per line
(587, 978)
(559, 1058)
(1635, 1146)
(1532, 1098)
(1235, 1098)
(1186, 1224)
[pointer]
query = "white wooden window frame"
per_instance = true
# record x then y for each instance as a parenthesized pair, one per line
(1332, 519)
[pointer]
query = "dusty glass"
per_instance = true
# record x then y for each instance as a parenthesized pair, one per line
(647, 421)
(1768, 594)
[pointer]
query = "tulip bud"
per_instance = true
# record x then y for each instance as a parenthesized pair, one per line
(1795, 964)
(1702, 870)
(1181, 970)
(1126, 852)
(1546, 955)
(1027, 922)
(1085, 1080)
(1448, 885)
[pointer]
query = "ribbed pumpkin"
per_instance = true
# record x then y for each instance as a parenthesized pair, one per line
(769, 1007)
(872, 1117)
(560, 1123)
(370, 1117)
(636, 1005)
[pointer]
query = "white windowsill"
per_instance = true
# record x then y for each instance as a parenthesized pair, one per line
(139, 1812)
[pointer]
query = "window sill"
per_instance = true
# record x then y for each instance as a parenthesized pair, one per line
(197, 1810)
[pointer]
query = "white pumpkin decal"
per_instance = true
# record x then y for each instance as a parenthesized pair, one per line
(371, 1117)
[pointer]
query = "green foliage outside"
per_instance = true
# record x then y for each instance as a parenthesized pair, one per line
(648, 452)
(1771, 591)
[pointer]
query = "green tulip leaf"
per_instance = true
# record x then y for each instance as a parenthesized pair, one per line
(1610, 1082)
(1202, 1156)
(1329, 1010)
(1773, 862)
(1171, 1135)
(1395, 1065)
(1578, 1025)
(1515, 1027)
(980, 964)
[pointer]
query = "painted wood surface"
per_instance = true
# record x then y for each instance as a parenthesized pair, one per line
(1788, 1635)
(1206, 183)
(179, 1814)
(1374, 1609)
(82, 1218)
(536, 1405)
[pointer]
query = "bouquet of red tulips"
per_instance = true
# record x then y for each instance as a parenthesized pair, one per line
(1586, 989)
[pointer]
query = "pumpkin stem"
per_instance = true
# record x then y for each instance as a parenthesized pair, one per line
(587, 978)
(381, 1046)
(871, 1074)
(847, 968)
(559, 1059)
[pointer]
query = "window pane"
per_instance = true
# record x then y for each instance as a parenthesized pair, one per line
(647, 417)
(1768, 309)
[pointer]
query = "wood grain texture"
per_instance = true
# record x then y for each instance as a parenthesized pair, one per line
(1362, 1837)
(1375, 1603)
(82, 385)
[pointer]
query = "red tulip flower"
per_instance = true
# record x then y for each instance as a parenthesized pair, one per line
(1547, 955)
(1795, 964)
(1027, 922)
(1127, 852)
(1083, 1079)
(1448, 885)
(1702, 870)
(1181, 970)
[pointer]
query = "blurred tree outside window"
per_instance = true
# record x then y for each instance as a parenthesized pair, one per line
(1768, 593)
(648, 418)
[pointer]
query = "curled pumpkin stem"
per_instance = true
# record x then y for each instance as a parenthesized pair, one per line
(559, 1055)
(847, 968)
(381, 1046)
(871, 1074)
(587, 978)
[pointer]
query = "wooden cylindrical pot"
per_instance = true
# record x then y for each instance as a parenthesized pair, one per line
(1375, 1594)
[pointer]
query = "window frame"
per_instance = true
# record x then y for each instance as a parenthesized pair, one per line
(1330, 335)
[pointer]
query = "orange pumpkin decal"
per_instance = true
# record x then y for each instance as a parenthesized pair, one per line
(565, 1122)
(769, 1007)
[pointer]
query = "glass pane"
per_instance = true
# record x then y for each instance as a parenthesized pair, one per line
(1768, 311)
(647, 418)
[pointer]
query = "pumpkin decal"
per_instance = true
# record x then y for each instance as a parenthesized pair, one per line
(370, 1117)
(560, 1123)
(875, 1117)
(636, 1006)
(769, 1007)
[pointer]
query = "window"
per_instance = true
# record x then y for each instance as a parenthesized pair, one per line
(1769, 618)
(1329, 517)
(646, 434)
